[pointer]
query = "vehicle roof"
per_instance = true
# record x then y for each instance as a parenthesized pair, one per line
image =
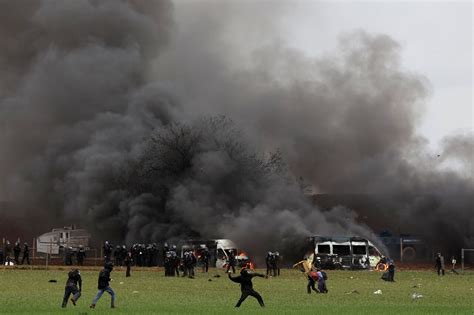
(338, 238)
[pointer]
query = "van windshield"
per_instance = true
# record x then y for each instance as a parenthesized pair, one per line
(373, 251)
(221, 255)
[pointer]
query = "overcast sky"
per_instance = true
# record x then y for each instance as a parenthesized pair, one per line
(436, 39)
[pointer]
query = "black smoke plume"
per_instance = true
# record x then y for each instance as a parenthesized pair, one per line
(148, 121)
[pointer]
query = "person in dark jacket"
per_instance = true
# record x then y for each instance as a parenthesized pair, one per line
(128, 262)
(276, 264)
(176, 262)
(246, 286)
(26, 254)
(103, 285)
(268, 262)
(8, 252)
(68, 253)
(189, 262)
(74, 279)
(205, 257)
(107, 249)
(81, 254)
(232, 262)
(312, 279)
(440, 264)
(118, 256)
(16, 252)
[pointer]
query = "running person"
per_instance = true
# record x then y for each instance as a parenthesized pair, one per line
(74, 279)
(103, 285)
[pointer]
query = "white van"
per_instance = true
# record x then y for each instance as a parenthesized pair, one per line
(343, 252)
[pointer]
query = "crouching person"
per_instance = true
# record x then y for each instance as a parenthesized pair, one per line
(312, 278)
(74, 279)
(322, 277)
(103, 285)
(390, 274)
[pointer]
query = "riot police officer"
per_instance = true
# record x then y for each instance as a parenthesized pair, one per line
(268, 262)
(107, 248)
(168, 263)
(176, 260)
(205, 256)
(128, 262)
(81, 254)
(26, 254)
(189, 264)
(275, 264)
(118, 255)
(231, 262)
(8, 252)
(68, 253)
(16, 252)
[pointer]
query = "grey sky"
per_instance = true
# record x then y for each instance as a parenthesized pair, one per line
(436, 39)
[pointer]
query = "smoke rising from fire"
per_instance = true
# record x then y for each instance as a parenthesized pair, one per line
(99, 100)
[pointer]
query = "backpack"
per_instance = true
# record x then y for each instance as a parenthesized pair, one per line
(325, 276)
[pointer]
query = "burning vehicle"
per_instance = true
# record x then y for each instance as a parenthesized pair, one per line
(342, 252)
(219, 250)
(61, 238)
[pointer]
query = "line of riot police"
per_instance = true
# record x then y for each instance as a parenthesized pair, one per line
(142, 255)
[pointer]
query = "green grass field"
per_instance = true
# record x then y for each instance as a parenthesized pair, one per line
(24, 291)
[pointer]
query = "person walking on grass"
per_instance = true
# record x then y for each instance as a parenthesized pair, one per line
(16, 252)
(439, 264)
(246, 286)
(103, 285)
(74, 279)
(128, 262)
(312, 279)
(26, 254)
(453, 268)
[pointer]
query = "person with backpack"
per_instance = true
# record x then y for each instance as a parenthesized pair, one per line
(322, 277)
(74, 279)
(312, 279)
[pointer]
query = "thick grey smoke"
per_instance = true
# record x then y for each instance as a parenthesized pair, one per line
(104, 118)
(346, 121)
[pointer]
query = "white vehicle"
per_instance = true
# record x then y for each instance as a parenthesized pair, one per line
(69, 236)
(343, 252)
(219, 249)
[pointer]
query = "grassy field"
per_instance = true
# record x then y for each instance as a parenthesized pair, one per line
(24, 291)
